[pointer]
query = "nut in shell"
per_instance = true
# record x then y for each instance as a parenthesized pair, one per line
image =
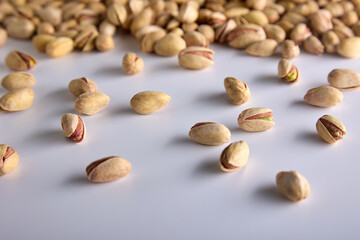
(170, 45)
(237, 91)
(73, 127)
(17, 100)
(234, 156)
(91, 102)
(210, 133)
(288, 71)
(17, 80)
(256, 119)
(82, 85)
(330, 129)
(344, 79)
(324, 96)
(20, 61)
(196, 58)
(147, 102)
(349, 47)
(289, 49)
(108, 169)
(132, 64)
(293, 185)
(263, 48)
(8, 159)
(59, 47)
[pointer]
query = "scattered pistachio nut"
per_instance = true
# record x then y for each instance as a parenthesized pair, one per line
(108, 169)
(263, 48)
(132, 64)
(59, 47)
(17, 100)
(289, 49)
(169, 45)
(288, 71)
(17, 80)
(196, 58)
(19, 61)
(210, 133)
(344, 79)
(82, 85)
(147, 102)
(73, 127)
(85, 40)
(234, 156)
(349, 47)
(116, 14)
(293, 185)
(104, 43)
(330, 129)
(40, 41)
(90, 103)
(237, 91)
(324, 96)
(313, 45)
(244, 35)
(8, 159)
(256, 119)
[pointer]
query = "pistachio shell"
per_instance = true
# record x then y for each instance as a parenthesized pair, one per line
(234, 156)
(196, 58)
(8, 159)
(73, 127)
(210, 133)
(263, 48)
(256, 119)
(18, 80)
(330, 129)
(344, 79)
(91, 102)
(237, 91)
(40, 41)
(147, 102)
(17, 100)
(293, 185)
(20, 61)
(82, 85)
(324, 96)
(170, 45)
(349, 47)
(59, 47)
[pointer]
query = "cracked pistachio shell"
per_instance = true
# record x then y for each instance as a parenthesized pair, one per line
(41, 40)
(73, 127)
(170, 45)
(8, 159)
(91, 102)
(210, 133)
(85, 40)
(82, 85)
(244, 35)
(313, 45)
(116, 14)
(289, 49)
(344, 79)
(132, 64)
(324, 96)
(196, 58)
(19, 61)
(147, 102)
(222, 31)
(59, 47)
(108, 169)
(237, 91)
(256, 119)
(234, 156)
(299, 33)
(17, 80)
(263, 48)
(330, 129)
(146, 30)
(288, 71)
(17, 100)
(349, 47)
(207, 31)
(293, 185)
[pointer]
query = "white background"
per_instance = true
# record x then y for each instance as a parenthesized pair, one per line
(176, 189)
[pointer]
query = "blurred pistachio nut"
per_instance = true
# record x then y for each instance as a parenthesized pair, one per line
(104, 43)
(170, 45)
(275, 32)
(91, 102)
(349, 47)
(40, 41)
(223, 30)
(8, 159)
(85, 40)
(234, 156)
(330, 40)
(59, 47)
(244, 35)
(144, 18)
(210, 133)
(147, 102)
(149, 40)
(132, 64)
(146, 30)
(45, 28)
(108, 169)
(71, 33)
(299, 33)
(195, 39)
(3, 36)
(289, 49)
(17, 80)
(82, 85)
(320, 21)
(188, 13)
(108, 28)
(196, 58)
(313, 45)
(116, 14)
(263, 48)
(293, 185)
(237, 91)
(288, 71)
(21, 29)
(19, 61)
(330, 129)
(51, 15)
(73, 127)
(17, 100)
(324, 96)
(256, 119)
(344, 79)
(207, 31)
(256, 17)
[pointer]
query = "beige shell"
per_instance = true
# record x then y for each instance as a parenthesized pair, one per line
(17, 100)
(73, 127)
(170, 45)
(17, 80)
(132, 64)
(245, 34)
(196, 58)
(288, 71)
(323, 131)
(20, 61)
(40, 41)
(234, 156)
(293, 185)
(91, 102)
(82, 85)
(11, 161)
(349, 47)
(237, 91)
(324, 96)
(147, 102)
(149, 40)
(263, 48)
(344, 79)
(59, 47)
(255, 125)
(210, 133)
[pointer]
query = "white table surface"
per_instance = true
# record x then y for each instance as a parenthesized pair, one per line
(175, 189)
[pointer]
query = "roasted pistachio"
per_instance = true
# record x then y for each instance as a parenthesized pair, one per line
(263, 48)
(288, 71)
(237, 91)
(245, 34)
(234, 156)
(196, 58)
(349, 48)
(289, 49)
(91, 102)
(85, 40)
(170, 45)
(313, 45)
(293, 185)
(256, 119)
(147, 102)
(210, 133)
(104, 42)
(8, 159)
(18, 80)
(19, 61)
(59, 47)
(132, 64)
(324, 96)
(82, 85)
(73, 127)
(22, 29)
(195, 39)
(344, 79)
(330, 129)
(3, 37)
(17, 100)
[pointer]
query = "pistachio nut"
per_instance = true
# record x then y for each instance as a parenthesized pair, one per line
(223, 30)
(73, 127)
(349, 48)
(108, 169)
(170, 45)
(149, 40)
(263, 48)
(144, 18)
(313, 45)
(188, 13)
(51, 15)
(330, 129)
(330, 40)
(87, 17)
(210, 133)
(320, 21)
(8, 159)
(3, 37)
(275, 32)
(19, 61)
(189, 27)
(324, 96)
(82, 85)
(17, 80)
(17, 100)
(216, 19)
(45, 28)
(196, 58)
(178, 31)
(237, 91)
(139, 34)
(300, 33)
(234, 156)
(256, 17)
(244, 35)
(22, 29)
(90, 103)
(172, 24)
(85, 40)
(41, 40)
(195, 39)
(289, 49)
(132, 64)
(350, 18)
(343, 32)
(104, 42)
(207, 31)
(59, 47)
(236, 11)
(288, 71)
(256, 119)
(344, 79)
(293, 185)
(272, 15)
(116, 14)
(147, 102)
(108, 28)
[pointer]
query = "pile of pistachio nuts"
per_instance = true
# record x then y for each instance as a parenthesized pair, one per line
(183, 28)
